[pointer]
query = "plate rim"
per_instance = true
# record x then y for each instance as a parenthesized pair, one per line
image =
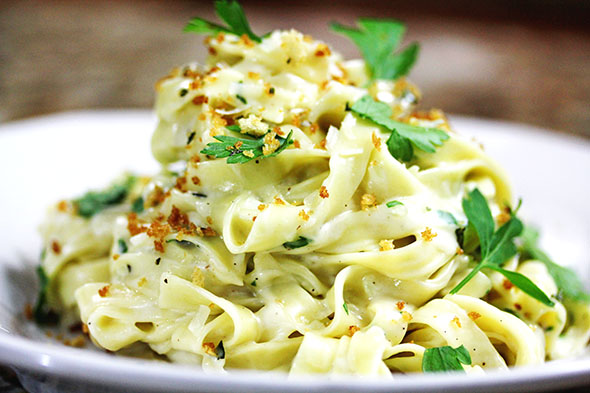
(24, 353)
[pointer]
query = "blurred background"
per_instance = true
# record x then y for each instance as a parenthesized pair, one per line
(520, 60)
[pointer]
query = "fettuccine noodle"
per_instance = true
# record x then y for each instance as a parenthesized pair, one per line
(295, 262)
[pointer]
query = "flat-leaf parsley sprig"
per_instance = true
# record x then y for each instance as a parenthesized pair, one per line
(404, 137)
(242, 150)
(232, 13)
(568, 283)
(496, 247)
(94, 202)
(446, 358)
(378, 40)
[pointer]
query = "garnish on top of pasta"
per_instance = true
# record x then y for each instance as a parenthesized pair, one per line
(319, 224)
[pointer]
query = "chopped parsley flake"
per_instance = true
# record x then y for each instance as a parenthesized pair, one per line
(122, 246)
(137, 205)
(393, 203)
(191, 136)
(239, 97)
(301, 242)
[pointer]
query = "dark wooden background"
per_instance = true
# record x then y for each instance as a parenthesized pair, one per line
(520, 60)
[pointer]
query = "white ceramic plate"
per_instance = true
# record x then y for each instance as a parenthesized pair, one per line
(60, 156)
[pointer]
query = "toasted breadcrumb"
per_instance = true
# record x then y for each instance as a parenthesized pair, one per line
(181, 183)
(352, 329)
(253, 125)
(386, 245)
(56, 247)
(303, 215)
(197, 277)
(208, 232)
(427, 234)
(134, 225)
(271, 143)
(244, 39)
(104, 291)
(406, 316)
(324, 192)
(368, 201)
(63, 206)
(456, 321)
(322, 50)
(473, 315)
(158, 230)
(200, 100)
(321, 144)
(400, 305)
(155, 197)
(209, 348)
(504, 216)
(376, 141)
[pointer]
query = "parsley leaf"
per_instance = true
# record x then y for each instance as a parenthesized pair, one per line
(301, 242)
(496, 247)
(240, 150)
(232, 13)
(378, 39)
(445, 359)
(404, 137)
(393, 203)
(94, 202)
(567, 281)
(447, 217)
(345, 307)
(42, 313)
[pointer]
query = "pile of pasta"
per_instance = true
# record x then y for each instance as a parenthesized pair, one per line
(297, 261)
